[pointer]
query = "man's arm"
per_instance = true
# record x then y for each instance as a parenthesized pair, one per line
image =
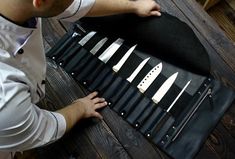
(142, 8)
(82, 108)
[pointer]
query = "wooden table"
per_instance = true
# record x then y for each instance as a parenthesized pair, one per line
(113, 137)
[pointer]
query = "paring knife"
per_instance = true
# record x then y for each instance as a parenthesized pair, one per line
(106, 76)
(62, 61)
(132, 96)
(160, 93)
(78, 62)
(164, 115)
(121, 86)
(95, 67)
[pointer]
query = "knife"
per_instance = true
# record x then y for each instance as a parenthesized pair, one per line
(164, 88)
(90, 73)
(117, 67)
(149, 78)
(70, 53)
(77, 63)
(106, 76)
(120, 86)
(132, 96)
(153, 109)
(165, 114)
(108, 53)
(62, 45)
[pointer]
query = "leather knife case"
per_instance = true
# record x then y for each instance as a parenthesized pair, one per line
(193, 116)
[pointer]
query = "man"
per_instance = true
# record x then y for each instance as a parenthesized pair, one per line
(23, 68)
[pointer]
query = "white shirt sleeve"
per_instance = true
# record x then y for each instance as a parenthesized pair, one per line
(76, 10)
(22, 124)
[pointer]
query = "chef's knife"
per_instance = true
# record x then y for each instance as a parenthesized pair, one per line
(106, 76)
(119, 86)
(77, 63)
(62, 61)
(165, 114)
(164, 88)
(132, 96)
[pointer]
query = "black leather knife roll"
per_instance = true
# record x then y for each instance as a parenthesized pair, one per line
(185, 126)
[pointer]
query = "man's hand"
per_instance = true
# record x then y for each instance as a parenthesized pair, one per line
(145, 8)
(142, 8)
(90, 104)
(82, 108)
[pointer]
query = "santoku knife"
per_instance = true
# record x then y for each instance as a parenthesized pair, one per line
(132, 96)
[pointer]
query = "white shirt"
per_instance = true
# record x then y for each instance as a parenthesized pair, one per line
(22, 73)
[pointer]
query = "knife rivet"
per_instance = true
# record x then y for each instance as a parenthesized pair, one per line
(163, 142)
(167, 136)
(173, 127)
(72, 73)
(84, 83)
(205, 85)
(136, 125)
(109, 103)
(122, 113)
(148, 135)
(199, 93)
(53, 57)
(60, 63)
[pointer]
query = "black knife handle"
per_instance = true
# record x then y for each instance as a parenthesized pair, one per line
(126, 96)
(132, 103)
(161, 137)
(107, 93)
(148, 124)
(82, 76)
(157, 123)
(68, 54)
(109, 79)
(118, 93)
(77, 63)
(149, 109)
(61, 44)
(138, 110)
(103, 78)
(96, 68)
(67, 45)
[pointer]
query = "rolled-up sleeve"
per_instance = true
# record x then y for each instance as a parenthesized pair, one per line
(22, 124)
(76, 10)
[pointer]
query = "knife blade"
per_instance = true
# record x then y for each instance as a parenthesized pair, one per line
(79, 61)
(164, 88)
(106, 76)
(149, 78)
(70, 53)
(108, 53)
(121, 86)
(137, 70)
(117, 67)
